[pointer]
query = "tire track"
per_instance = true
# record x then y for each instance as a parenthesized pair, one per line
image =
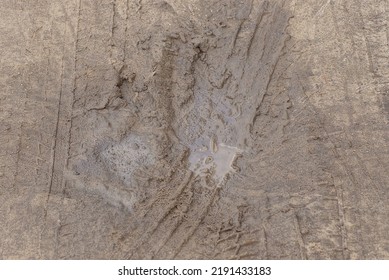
(199, 219)
(61, 141)
(154, 217)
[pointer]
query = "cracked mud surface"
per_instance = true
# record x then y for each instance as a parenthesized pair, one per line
(194, 129)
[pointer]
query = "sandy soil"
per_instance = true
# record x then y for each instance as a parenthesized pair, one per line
(151, 129)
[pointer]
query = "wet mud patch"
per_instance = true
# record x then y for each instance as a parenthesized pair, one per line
(216, 161)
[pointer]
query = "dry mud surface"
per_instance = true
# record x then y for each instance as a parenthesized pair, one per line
(151, 129)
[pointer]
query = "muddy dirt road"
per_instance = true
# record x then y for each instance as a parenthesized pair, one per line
(151, 129)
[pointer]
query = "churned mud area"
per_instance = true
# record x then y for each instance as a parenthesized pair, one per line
(193, 129)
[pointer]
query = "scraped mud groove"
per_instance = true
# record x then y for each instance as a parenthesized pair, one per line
(250, 129)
